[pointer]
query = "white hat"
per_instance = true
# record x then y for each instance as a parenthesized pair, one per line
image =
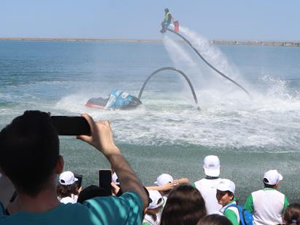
(67, 178)
(272, 177)
(156, 199)
(226, 185)
(211, 166)
(115, 178)
(163, 179)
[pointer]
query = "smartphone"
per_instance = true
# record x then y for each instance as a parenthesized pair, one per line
(105, 179)
(71, 125)
(79, 180)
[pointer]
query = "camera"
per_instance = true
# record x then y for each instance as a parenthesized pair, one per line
(71, 125)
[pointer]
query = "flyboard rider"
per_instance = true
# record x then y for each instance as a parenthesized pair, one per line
(168, 19)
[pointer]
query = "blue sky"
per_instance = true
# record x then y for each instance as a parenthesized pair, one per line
(264, 20)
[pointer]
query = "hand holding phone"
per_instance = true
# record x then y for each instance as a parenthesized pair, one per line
(71, 125)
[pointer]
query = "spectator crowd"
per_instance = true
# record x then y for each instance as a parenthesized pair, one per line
(43, 193)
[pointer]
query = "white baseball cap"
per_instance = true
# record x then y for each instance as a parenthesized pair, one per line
(67, 178)
(272, 177)
(211, 166)
(156, 199)
(163, 179)
(226, 185)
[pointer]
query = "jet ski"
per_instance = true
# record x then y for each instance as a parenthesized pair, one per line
(118, 99)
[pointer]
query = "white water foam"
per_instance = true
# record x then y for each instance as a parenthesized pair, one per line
(267, 123)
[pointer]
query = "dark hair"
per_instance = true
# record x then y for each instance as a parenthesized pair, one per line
(92, 191)
(265, 180)
(67, 190)
(214, 219)
(185, 205)
(29, 150)
(292, 214)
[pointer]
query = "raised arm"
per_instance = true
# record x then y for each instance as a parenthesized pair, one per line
(102, 139)
(182, 180)
(169, 186)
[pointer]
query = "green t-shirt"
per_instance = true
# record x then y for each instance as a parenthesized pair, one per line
(230, 214)
(126, 209)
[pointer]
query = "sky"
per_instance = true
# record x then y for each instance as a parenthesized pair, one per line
(261, 20)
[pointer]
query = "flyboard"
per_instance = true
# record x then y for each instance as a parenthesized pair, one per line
(176, 31)
(118, 99)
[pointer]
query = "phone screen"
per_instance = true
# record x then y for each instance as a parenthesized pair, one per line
(105, 179)
(79, 180)
(71, 125)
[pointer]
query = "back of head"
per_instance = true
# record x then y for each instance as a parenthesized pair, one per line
(292, 214)
(67, 184)
(163, 179)
(29, 150)
(166, 10)
(214, 219)
(272, 178)
(185, 205)
(155, 199)
(92, 191)
(211, 166)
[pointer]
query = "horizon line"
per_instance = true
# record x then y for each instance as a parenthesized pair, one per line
(220, 42)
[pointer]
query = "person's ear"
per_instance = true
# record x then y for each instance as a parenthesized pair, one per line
(59, 165)
(231, 196)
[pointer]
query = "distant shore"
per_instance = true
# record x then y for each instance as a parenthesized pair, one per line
(217, 42)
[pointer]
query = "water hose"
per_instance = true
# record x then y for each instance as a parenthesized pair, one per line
(212, 67)
(174, 69)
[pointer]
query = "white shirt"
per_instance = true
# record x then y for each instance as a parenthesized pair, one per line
(268, 206)
(68, 199)
(208, 190)
(149, 219)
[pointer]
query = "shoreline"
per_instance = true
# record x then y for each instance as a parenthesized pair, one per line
(217, 42)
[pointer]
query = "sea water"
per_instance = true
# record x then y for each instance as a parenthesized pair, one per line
(167, 134)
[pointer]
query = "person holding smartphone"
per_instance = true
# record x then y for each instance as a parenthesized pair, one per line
(29, 157)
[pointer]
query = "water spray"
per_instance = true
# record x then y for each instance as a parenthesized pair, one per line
(212, 67)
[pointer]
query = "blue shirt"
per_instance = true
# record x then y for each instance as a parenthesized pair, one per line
(123, 210)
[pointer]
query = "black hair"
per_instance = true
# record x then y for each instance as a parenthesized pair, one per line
(265, 180)
(29, 150)
(214, 219)
(92, 191)
(67, 190)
